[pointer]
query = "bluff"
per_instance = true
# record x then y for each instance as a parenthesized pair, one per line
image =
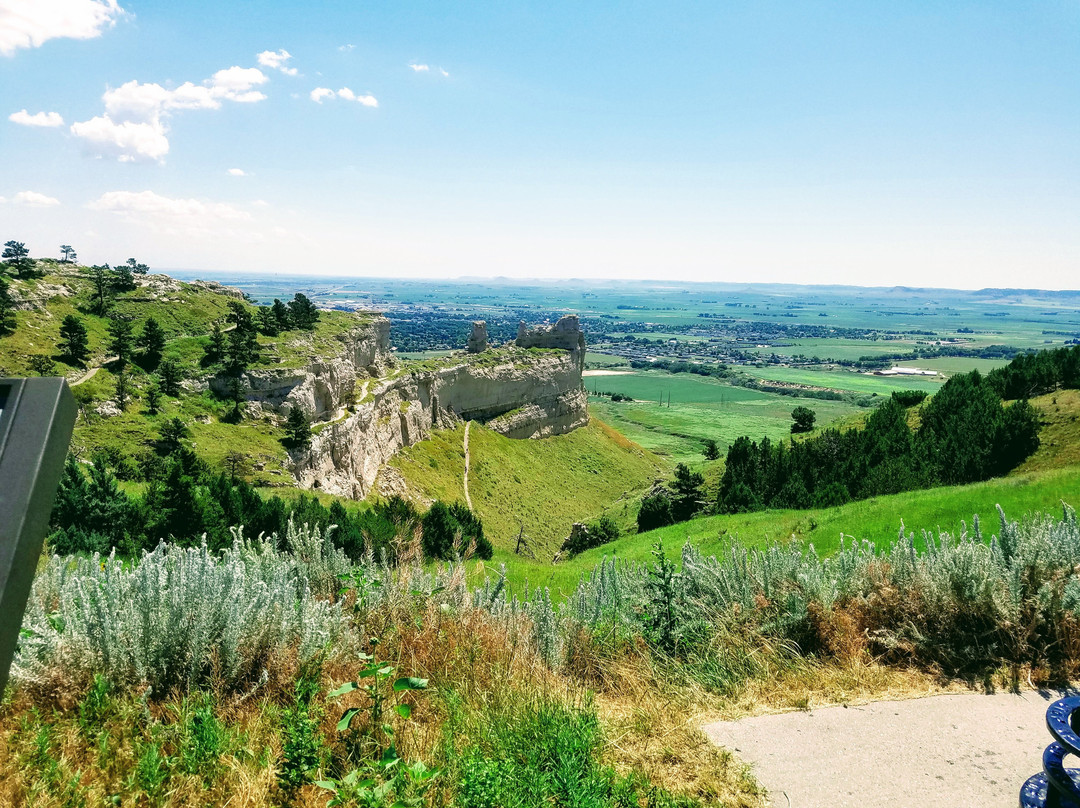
(529, 389)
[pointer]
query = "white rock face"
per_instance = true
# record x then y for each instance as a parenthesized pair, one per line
(534, 398)
(520, 393)
(321, 388)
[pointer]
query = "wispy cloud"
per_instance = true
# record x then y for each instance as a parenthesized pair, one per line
(420, 67)
(33, 199)
(31, 23)
(346, 48)
(134, 124)
(276, 60)
(37, 119)
(170, 215)
(319, 93)
(237, 172)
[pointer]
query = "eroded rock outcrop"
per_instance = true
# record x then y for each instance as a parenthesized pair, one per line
(320, 388)
(478, 339)
(533, 390)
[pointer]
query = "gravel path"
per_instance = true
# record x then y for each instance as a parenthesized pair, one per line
(953, 750)
(466, 480)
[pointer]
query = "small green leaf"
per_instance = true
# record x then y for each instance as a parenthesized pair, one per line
(329, 785)
(389, 758)
(348, 687)
(386, 671)
(389, 730)
(346, 718)
(410, 683)
(404, 710)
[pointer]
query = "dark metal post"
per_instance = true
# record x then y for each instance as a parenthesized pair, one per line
(37, 417)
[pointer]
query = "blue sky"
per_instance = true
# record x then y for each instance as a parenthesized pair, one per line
(876, 143)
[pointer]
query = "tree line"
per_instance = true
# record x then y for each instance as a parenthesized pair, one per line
(187, 502)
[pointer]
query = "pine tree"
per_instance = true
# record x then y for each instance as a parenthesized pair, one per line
(122, 391)
(153, 397)
(17, 256)
(151, 342)
(172, 433)
(73, 340)
(171, 376)
(43, 365)
(281, 315)
(101, 278)
(688, 494)
(120, 344)
(124, 280)
(68, 253)
(268, 324)
(297, 429)
(302, 312)
(215, 351)
(711, 450)
(7, 309)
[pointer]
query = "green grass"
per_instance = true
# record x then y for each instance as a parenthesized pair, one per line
(545, 485)
(849, 380)
(876, 519)
(677, 432)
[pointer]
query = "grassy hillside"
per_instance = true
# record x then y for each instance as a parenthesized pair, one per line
(186, 313)
(876, 519)
(547, 485)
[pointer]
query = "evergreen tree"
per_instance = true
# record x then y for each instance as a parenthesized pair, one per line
(443, 525)
(74, 345)
(215, 350)
(120, 340)
(655, 512)
(302, 312)
(243, 345)
(281, 315)
(123, 279)
(172, 434)
(268, 324)
(802, 419)
(101, 278)
(136, 268)
(17, 257)
(122, 392)
(67, 253)
(153, 397)
(43, 365)
(7, 309)
(711, 450)
(297, 429)
(151, 342)
(171, 376)
(688, 494)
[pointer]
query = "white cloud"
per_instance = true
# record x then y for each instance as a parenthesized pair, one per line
(133, 126)
(319, 93)
(261, 203)
(126, 140)
(169, 215)
(349, 95)
(276, 60)
(423, 68)
(37, 119)
(33, 199)
(31, 23)
(346, 48)
(237, 172)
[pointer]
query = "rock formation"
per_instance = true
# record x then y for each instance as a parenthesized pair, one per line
(478, 339)
(518, 392)
(565, 334)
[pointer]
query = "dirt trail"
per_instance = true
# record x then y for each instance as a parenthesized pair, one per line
(468, 501)
(953, 750)
(89, 374)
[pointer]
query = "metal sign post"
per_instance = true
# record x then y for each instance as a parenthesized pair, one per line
(36, 420)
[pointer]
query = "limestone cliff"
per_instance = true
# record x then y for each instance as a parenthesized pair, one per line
(325, 385)
(522, 392)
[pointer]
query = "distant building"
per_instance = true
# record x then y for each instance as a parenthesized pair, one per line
(895, 371)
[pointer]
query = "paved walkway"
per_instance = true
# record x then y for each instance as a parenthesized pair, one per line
(955, 751)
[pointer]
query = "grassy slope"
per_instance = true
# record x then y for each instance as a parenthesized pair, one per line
(547, 484)
(1047, 478)
(186, 316)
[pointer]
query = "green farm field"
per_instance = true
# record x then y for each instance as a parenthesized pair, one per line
(840, 379)
(700, 408)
